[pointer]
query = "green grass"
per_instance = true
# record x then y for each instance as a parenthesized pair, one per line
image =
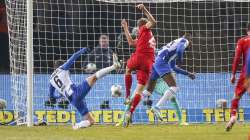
(135, 132)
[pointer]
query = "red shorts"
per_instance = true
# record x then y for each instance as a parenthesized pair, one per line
(142, 64)
(240, 89)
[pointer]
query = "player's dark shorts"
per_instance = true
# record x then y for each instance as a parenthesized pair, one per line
(142, 64)
(77, 99)
(160, 69)
(240, 89)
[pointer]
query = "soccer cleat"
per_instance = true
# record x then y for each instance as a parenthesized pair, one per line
(116, 62)
(127, 119)
(127, 101)
(157, 112)
(184, 123)
(230, 124)
(119, 123)
(75, 127)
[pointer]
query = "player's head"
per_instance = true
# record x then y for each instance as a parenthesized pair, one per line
(188, 36)
(104, 41)
(248, 29)
(141, 22)
(58, 63)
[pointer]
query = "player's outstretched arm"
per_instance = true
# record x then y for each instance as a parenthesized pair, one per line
(130, 40)
(151, 19)
(72, 59)
(182, 71)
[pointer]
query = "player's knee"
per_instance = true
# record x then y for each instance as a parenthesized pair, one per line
(128, 71)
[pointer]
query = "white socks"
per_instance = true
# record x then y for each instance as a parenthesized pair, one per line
(99, 74)
(82, 124)
(169, 94)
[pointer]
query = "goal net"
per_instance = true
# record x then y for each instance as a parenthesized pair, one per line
(61, 27)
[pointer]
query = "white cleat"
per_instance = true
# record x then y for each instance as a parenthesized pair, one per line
(230, 123)
(157, 112)
(75, 127)
(116, 62)
(184, 124)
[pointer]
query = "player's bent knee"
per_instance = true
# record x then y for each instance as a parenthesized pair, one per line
(91, 80)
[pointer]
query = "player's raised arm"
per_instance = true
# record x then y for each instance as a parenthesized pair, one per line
(130, 40)
(72, 59)
(236, 61)
(151, 20)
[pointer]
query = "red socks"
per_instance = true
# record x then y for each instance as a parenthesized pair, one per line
(135, 102)
(128, 84)
(234, 106)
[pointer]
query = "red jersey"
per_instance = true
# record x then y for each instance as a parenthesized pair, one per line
(241, 50)
(145, 43)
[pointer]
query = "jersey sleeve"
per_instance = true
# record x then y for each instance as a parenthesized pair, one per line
(180, 48)
(72, 59)
(178, 69)
(238, 54)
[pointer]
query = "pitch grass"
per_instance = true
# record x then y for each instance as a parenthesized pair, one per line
(135, 132)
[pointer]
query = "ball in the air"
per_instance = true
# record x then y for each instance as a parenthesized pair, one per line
(221, 103)
(91, 67)
(116, 90)
(3, 104)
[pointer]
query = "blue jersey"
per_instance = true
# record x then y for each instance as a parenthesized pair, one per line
(60, 81)
(248, 64)
(172, 51)
(166, 58)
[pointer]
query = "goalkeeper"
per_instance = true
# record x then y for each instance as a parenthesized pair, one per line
(75, 93)
(164, 65)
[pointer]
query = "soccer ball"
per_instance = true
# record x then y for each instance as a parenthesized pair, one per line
(116, 90)
(221, 103)
(91, 67)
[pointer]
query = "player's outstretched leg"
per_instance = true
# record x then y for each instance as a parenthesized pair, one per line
(234, 108)
(136, 100)
(87, 122)
(128, 84)
(101, 73)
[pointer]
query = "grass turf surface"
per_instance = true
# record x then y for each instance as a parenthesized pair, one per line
(135, 132)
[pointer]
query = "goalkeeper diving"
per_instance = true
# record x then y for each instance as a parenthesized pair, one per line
(75, 93)
(165, 64)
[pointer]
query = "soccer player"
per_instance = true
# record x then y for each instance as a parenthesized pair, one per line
(164, 66)
(243, 45)
(141, 61)
(75, 93)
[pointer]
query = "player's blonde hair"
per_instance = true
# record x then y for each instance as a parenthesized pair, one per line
(142, 21)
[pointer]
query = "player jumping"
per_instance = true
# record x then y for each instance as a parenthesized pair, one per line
(163, 67)
(60, 81)
(141, 61)
(243, 45)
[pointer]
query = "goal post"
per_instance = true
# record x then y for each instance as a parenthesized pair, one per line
(29, 60)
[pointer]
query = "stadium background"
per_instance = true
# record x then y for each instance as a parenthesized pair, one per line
(210, 57)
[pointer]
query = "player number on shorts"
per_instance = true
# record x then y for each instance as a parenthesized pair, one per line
(152, 43)
(58, 81)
